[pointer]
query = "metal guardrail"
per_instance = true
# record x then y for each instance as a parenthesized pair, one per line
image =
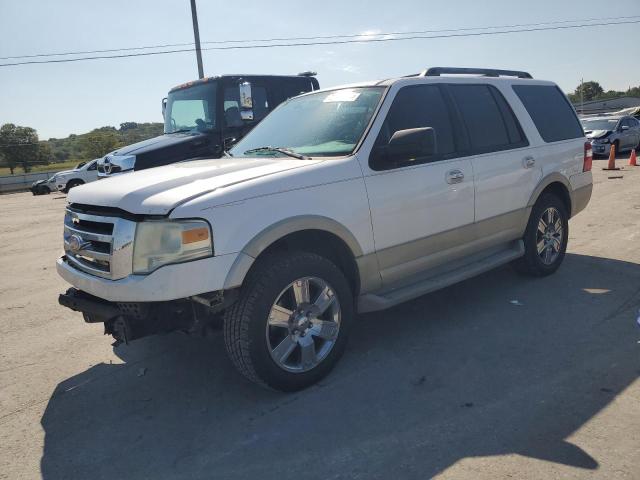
(16, 183)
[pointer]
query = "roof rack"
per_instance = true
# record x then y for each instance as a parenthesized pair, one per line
(487, 72)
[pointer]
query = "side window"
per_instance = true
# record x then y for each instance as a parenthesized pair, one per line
(416, 107)
(93, 166)
(490, 123)
(550, 111)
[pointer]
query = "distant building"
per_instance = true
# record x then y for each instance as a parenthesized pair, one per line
(607, 105)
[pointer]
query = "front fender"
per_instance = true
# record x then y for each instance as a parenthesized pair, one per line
(275, 232)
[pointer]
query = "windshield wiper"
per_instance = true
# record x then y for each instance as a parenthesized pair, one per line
(286, 151)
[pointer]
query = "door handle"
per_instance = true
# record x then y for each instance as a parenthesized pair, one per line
(454, 176)
(528, 161)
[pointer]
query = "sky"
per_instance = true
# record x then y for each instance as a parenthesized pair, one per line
(60, 99)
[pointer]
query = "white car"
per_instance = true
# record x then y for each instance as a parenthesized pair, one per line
(345, 200)
(85, 172)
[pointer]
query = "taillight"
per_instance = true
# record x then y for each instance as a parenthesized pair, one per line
(588, 157)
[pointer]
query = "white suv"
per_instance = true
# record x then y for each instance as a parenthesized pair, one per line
(345, 200)
(84, 172)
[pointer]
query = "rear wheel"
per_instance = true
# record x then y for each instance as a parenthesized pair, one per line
(290, 325)
(545, 239)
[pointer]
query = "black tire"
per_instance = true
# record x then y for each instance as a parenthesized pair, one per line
(532, 263)
(71, 184)
(245, 322)
(617, 147)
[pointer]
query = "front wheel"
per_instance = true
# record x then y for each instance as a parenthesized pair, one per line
(72, 184)
(545, 238)
(290, 325)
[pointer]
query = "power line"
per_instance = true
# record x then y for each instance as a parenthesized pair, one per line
(334, 42)
(323, 37)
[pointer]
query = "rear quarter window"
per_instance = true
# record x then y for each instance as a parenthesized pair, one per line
(550, 111)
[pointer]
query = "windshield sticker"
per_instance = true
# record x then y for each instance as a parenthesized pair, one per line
(342, 96)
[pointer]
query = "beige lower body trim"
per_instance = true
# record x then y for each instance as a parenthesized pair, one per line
(580, 198)
(369, 272)
(403, 261)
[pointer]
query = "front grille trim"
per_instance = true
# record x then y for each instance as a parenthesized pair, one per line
(101, 254)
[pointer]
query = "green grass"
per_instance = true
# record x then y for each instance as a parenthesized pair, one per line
(52, 167)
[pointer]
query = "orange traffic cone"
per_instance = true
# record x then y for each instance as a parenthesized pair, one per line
(612, 159)
(633, 160)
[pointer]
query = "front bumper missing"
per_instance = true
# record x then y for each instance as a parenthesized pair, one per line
(130, 321)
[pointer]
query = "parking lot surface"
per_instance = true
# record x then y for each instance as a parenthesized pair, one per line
(499, 376)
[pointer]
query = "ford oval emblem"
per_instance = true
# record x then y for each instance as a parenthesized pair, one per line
(75, 242)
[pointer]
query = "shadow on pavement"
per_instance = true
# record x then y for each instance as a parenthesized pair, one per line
(459, 373)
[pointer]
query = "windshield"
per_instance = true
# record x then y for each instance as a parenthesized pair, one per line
(80, 165)
(191, 109)
(323, 124)
(600, 124)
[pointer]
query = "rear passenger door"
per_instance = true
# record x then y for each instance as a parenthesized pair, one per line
(419, 207)
(505, 171)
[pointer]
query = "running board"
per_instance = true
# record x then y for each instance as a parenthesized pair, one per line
(370, 302)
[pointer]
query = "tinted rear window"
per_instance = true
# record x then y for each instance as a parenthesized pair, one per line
(490, 122)
(550, 111)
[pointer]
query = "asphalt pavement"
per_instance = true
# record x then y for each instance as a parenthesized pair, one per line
(501, 376)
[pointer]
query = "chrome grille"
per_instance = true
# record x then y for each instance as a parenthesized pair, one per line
(99, 245)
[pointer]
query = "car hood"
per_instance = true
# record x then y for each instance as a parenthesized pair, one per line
(159, 142)
(596, 133)
(157, 191)
(64, 172)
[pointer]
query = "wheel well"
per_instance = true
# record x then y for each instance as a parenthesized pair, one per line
(323, 243)
(560, 191)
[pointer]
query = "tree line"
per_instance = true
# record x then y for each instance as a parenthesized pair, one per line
(592, 90)
(21, 148)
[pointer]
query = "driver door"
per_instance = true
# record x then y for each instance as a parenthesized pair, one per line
(422, 209)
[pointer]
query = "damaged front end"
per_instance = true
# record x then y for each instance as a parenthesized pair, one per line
(127, 321)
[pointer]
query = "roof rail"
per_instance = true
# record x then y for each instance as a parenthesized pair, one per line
(308, 74)
(487, 72)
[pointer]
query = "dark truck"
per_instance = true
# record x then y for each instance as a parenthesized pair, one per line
(204, 117)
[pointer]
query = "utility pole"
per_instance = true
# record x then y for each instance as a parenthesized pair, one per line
(196, 35)
(582, 96)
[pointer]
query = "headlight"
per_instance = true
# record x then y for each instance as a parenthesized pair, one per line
(159, 243)
(601, 140)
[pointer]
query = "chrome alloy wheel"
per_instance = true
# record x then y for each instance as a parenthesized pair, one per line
(549, 236)
(303, 324)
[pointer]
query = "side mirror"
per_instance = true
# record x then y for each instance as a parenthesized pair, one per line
(164, 106)
(624, 128)
(407, 145)
(246, 101)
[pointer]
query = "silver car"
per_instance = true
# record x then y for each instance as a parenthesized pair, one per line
(607, 130)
